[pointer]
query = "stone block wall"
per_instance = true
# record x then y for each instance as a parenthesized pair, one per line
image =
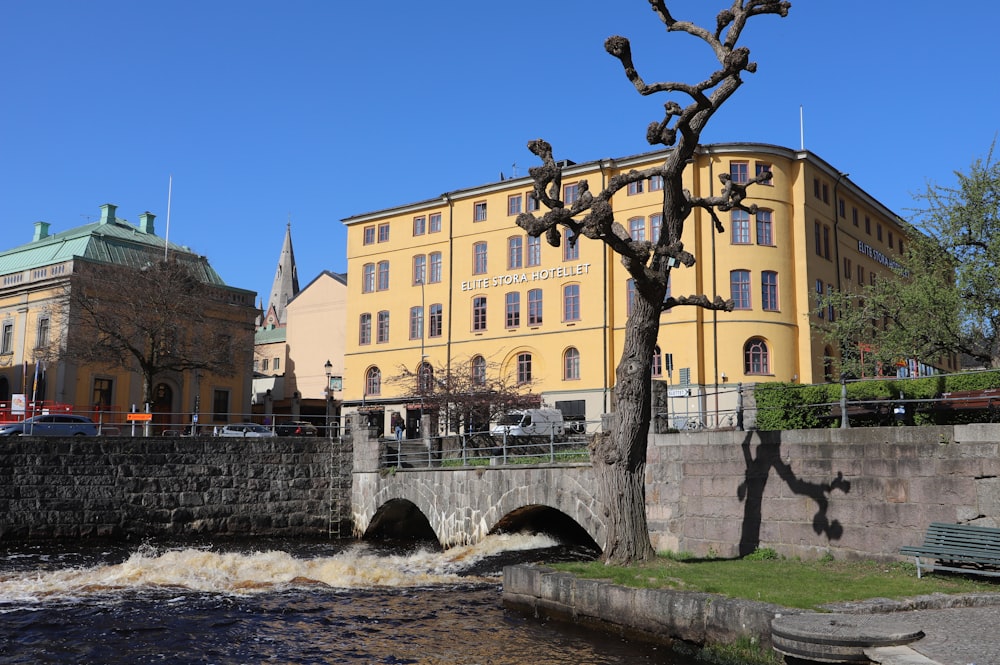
(177, 487)
(862, 492)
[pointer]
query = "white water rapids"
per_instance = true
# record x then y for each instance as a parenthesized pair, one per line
(203, 570)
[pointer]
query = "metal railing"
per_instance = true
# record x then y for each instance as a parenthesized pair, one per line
(485, 449)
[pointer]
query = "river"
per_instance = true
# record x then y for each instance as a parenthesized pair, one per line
(281, 602)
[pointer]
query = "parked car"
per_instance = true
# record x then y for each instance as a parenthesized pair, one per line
(51, 424)
(245, 430)
(296, 428)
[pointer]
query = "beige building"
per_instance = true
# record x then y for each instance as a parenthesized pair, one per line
(453, 281)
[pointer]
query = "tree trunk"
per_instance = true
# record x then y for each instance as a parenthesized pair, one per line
(619, 458)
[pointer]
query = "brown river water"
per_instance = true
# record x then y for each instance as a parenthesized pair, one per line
(285, 602)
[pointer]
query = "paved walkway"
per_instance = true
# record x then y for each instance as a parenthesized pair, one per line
(954, 636)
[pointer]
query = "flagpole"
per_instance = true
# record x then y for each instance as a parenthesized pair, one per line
(166, 239)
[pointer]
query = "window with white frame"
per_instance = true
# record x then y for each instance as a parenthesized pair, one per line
(515, 252)
(479, 211)
(382, 327)
(512, 309)
(571, 364)
(479, 258)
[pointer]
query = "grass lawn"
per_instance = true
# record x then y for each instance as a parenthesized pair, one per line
(789, 582)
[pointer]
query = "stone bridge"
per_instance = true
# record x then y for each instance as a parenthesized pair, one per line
(462, 505)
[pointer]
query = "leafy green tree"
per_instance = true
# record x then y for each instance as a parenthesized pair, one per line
(946, 298)
(619, 457)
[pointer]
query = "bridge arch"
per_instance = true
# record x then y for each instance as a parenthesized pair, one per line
(462, 506)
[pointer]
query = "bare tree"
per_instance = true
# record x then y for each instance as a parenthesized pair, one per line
(619, 457)
(160, 318)
(469, 395)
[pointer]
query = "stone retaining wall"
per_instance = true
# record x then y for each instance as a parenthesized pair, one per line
(861, 492)
(117, 487)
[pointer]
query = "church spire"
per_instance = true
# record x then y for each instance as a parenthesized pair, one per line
(286, 279)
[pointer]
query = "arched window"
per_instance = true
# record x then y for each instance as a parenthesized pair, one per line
(368, 278)
(657, 367)
(571, 364)
(426, 378)
(756, 359)
(373, 381)
(478, 371)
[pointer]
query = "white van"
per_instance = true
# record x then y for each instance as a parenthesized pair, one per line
(531, 422)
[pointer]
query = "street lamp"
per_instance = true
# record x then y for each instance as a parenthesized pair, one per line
(328, 367)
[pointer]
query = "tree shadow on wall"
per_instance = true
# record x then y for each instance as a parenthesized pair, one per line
(751, 493)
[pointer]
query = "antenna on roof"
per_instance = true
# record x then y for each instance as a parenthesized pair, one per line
(166, 238)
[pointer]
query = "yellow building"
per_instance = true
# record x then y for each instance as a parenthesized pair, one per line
(454, 280)
(35, 328)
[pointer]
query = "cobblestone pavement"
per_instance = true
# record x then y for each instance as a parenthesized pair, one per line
(958, 636)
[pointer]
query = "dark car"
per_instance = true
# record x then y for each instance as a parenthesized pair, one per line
(296, 428)
(51, 424)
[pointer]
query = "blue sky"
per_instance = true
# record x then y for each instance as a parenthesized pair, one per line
(315, 110)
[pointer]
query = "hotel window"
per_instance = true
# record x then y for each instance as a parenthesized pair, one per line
(816, 187)
(878, 231)
(739, 172)
(571, 249)
(829, 307)
(741, 227)
(571, 364)
(635, 187)
(383, 276)
(819, 297)
(571, 302)
(416, 323)
(512, 309)
(435, 321)
(434, 226)
(629, 296)
(826, 193)
(220, 405)
(655, 222)
(369, 232)
(101, 396)
(535, 307)
(515, 253)
(479, 313)
(637, 228)
(532, 202)
(818, 237)
(871, 278)
(479, 258)
(524, 368)
(848, 269)
(769, 290)
(571, 193)
(891, 240)
(478, 371)
(419, 269)
(514, 204)
(368, 278)
(42, 333)
(765, 228)
(861, 275)
(382, 327)
(263, 364)
(755, 357)
(656, 183)
(426, 378)
(760, 168)
(901, 246)
(534, 251)
(435, 275)
(841, 207)
(739, 282)
(373, 381)
(854, 215)
(826, 242)
(419, 225)
(479, 211)
(656, 369)
(868, 225)
(383, 232)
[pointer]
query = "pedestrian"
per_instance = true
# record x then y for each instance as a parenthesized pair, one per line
(397, 426)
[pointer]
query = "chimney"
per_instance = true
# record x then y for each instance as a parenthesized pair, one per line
(146, 223)
(108, 213)
(41, 231)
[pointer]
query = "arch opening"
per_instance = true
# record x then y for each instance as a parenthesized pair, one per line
(536, 519)
(401, 520)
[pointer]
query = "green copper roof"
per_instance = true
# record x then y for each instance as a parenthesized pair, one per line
(269, 335)
(110, 240)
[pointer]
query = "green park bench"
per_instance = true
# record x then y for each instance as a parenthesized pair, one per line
(961, 548)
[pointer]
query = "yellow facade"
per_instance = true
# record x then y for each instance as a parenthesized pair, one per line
(815, 225)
